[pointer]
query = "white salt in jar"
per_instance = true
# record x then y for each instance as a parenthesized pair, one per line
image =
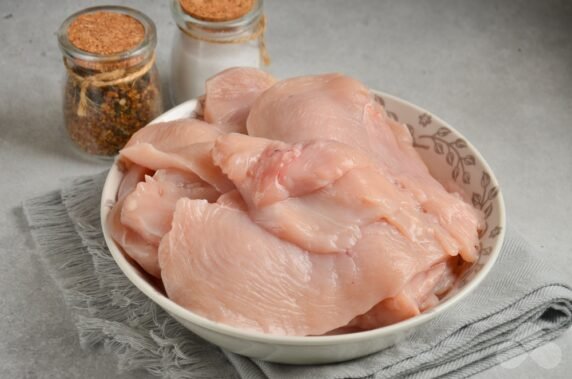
(212, 38)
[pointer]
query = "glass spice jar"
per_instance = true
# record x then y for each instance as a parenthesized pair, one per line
(112, 87)
(212, 37)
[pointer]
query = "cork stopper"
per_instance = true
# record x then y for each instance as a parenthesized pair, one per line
(105, 32)
(216, 10)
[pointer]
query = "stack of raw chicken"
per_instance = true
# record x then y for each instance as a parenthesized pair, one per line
(297, 207)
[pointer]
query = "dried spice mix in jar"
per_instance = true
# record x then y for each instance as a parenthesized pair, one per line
(112, 87)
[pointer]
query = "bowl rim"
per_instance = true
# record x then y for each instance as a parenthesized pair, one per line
(179, 312)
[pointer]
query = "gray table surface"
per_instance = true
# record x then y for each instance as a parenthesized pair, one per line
(499, 71)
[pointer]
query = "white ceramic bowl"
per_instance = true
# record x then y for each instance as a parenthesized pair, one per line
(448, 155)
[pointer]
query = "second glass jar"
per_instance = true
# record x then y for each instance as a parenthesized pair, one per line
(203, 48)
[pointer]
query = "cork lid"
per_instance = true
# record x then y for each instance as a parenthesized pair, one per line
(216, 10)
(105, 32)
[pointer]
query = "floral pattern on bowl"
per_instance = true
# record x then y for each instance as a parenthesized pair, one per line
(450, 158)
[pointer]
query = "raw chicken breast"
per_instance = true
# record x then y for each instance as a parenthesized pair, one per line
(337, 107)
(141, 251)
(133, 175)
(148, 210)
(318, 194)
(183, 144)
(269, 171)
(253, 280)
(232, 199)
(144, 210)
(230, 94)
(172, 135)
(342, 109)
(416, 296)
(330, 106)
(323, 219)
(194, 187)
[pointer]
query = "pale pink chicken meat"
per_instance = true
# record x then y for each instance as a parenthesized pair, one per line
(274, 170)
(141, 251)
(148, 210)
(194, 187)
(230, 94)
(182, 144)
(342, 109)
(232, 199)
(253, 280)
(144, 210)
(419, 294)
(337, 107)
(324, 219)
(322, 213)
(133, 175)
(313, 107)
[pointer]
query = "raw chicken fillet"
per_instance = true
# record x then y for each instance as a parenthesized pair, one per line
(252, 279)
(230, 94)
(297, 207)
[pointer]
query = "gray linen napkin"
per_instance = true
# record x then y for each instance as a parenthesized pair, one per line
(521, 305)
